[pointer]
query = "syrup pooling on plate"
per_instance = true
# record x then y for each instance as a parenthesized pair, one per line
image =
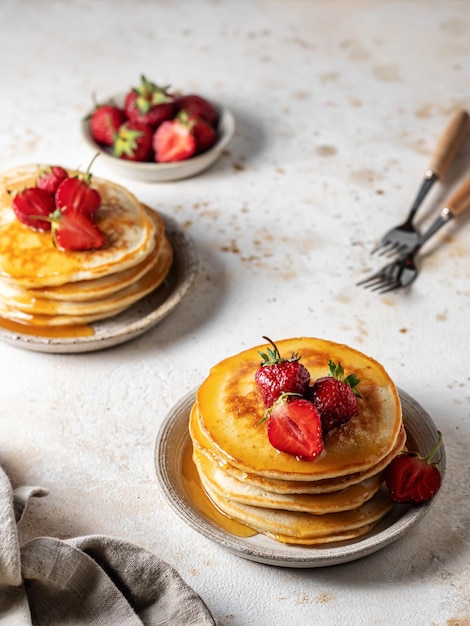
(201, 501)
(43, 286)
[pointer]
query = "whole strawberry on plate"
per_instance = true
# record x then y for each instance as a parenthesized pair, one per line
(50, 177)
(277, 375)
(133, 142)
(105, 122)
(199, 107)
(414, 479)
(335, 396)
(149, 103)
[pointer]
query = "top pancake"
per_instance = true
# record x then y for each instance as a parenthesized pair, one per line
(229, 410)
(29, 259)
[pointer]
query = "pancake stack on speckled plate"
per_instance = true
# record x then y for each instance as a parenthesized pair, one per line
(44, 286)
(339, 495)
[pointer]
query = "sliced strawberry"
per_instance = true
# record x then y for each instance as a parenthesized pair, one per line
(105, 122)
(173, 141)
(335, 396)
(50, 177)
(149, 104)
(412, 478)
(76, 194)
(133, 142)
(74, 230)
(277, 375)
(31, 204)
(294, 427)
(198, 107)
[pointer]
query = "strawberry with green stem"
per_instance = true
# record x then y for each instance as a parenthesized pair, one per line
(133, 142)
(50, 177)
(335, 396)
(414, 479)
(77, 194)
(105, 122)
(149, 104)
(277, 375)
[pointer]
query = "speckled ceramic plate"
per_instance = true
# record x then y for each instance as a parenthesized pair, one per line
(173, 439)
(139, 318)
(164, 172)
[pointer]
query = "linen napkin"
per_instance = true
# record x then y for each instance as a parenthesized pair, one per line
(95, 580)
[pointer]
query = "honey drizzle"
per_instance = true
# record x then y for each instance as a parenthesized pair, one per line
(201, 501)
(52, 332)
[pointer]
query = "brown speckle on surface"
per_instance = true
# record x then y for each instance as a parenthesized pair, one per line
(326, 151)
(325, 597)
(387, 73)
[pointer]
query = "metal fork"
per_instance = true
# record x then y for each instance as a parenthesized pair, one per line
(403, 237)
(403, 271)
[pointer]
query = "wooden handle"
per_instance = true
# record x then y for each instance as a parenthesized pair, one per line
(449, 143)
(460, 199)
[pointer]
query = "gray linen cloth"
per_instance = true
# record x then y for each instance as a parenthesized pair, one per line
(96, 580)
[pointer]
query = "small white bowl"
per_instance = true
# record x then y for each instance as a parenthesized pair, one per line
(165, 172)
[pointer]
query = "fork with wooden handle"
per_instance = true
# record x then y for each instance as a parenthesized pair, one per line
(403, 271)
(403, 237)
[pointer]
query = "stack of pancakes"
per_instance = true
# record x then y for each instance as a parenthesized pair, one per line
(43, 286)
(339, 495)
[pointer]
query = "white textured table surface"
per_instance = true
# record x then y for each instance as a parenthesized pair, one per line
(338, 107)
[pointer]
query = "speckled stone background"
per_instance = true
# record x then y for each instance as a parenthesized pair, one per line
(339, 105)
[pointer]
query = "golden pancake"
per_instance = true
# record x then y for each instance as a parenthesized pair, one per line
(230, 411)
(328, 485)
(304, 528)
(225, 486)
(28, 258)
(53, 313)
(93, 289)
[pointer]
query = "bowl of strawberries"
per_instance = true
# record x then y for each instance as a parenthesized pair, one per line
(154, 134)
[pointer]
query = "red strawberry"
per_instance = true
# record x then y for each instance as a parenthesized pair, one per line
(412, 478)
(198, 107)
(173, 141)
(50, 177)
(294, 427)
(335, 396)
(32, 203)
(105, 122)
(276, 375)
(133, 142)
(149, 104)
(203, 133)
(74, 230)
(76, 194)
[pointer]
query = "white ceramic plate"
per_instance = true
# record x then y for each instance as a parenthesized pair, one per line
(172, 440)
(165, 172)
(136, 320)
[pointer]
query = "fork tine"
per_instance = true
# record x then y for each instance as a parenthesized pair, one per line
(392, 249)
(387, 285)
(393, 285)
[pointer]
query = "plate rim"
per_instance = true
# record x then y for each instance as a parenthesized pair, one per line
(185, 253)
(400, 520)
